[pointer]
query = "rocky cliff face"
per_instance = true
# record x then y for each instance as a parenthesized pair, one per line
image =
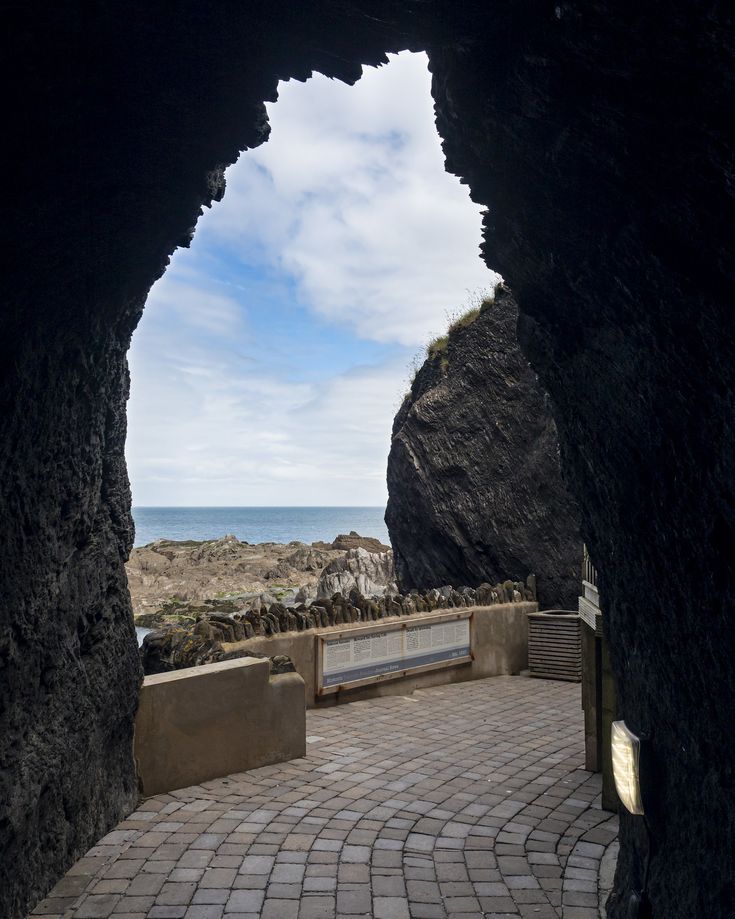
(474, 483)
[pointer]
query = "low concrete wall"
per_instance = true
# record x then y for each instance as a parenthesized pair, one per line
(205, 722)
(499, 639)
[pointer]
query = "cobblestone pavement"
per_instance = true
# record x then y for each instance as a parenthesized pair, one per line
(462, 801)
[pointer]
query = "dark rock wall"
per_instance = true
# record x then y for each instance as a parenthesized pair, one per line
(69, 669)
(474, 486)
(599, 134)
(125, 116)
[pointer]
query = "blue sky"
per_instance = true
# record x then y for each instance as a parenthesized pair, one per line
(273, 354)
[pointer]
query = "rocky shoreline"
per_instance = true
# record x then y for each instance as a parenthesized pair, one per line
(199, 598)
(178, 581)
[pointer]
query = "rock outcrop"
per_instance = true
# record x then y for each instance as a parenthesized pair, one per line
(474, 481)
(353, 540)
(369, 572)
(168, 578)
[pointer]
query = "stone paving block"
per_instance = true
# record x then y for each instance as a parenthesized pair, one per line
(110, 885)
(204, 912)
(244, 901)
(525, 895)
(70, 887)
(157, 867)
(280, 909)
(491, 889)
(544, 911)
(355, 854)
(218, 877)
(578, 898)
(319, 884)
(49, 908)
(209, 897)
(174, 893)
(317, 907)
(124, 868)
(457, 889)
(354, 901)
(257, 864)
(428, 911)
(284, 891)
(287, 874)
(498, 904)
(134, 905)
(390, 908)
(590, 850)
(167, 912)
(250, 881)
(454, 905)
(97, 906)
(584, 886)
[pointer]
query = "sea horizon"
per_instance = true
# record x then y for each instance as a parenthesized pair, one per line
(256, 523)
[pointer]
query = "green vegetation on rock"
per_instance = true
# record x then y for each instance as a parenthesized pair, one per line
(438, 347)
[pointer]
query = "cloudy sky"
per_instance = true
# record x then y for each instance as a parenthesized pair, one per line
(274, 352)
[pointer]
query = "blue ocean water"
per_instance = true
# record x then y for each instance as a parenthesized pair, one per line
(257, 524)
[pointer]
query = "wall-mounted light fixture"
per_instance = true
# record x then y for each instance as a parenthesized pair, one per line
(626, 760)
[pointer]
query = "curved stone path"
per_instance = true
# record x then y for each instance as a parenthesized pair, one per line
(462, 801)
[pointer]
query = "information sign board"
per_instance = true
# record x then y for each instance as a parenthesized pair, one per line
(385, 651)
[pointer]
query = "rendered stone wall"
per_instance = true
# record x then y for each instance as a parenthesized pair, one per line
(206, 722)
(499, 646)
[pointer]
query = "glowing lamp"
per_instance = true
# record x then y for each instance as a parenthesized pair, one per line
(626, 761)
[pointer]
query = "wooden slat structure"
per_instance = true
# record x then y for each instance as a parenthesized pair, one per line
(554, 645)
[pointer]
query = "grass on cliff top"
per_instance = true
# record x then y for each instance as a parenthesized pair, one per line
(438, 346)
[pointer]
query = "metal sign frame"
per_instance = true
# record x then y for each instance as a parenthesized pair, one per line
(389, 626)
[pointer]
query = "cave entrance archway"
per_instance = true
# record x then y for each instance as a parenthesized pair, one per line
(274, 352)
(599, 138)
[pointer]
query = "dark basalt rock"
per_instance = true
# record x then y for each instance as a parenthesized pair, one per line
(600, 137)
(69, 668)
(474, 484)
(281, 663)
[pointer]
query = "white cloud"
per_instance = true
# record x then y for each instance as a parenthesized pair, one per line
(207, 430)
(348, 207)
(350, 197)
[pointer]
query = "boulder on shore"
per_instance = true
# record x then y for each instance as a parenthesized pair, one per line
(369, 572)
(353, 540)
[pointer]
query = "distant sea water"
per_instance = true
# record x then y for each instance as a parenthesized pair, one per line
(257, 524)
